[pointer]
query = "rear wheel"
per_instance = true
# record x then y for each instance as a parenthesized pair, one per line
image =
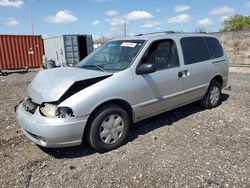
(213, 96)
(109, 128)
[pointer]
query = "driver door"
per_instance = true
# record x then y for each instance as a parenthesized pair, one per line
(159, 91)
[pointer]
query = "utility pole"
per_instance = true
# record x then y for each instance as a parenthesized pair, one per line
(125, 28)
(31, 18)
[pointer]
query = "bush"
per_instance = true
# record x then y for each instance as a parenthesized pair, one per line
(236, 23)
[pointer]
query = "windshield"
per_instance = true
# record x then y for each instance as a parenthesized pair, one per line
(112, 55)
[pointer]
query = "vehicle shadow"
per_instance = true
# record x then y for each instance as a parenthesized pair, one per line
(69, 152)
(167, 118)
(23, 71)
(140, 128)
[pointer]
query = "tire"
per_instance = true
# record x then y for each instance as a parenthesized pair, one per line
(212, 98)
(109, 128)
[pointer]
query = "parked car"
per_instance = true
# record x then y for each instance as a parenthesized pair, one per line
(122, 82)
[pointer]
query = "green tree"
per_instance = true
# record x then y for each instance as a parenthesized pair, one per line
(236, 23)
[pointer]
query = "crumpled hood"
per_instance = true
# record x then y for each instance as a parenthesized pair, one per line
(49, 85)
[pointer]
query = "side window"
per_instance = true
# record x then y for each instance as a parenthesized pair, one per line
(163, 54)
(214, 47)
(194, 50)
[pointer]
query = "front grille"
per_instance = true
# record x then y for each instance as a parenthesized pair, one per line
(29, 106)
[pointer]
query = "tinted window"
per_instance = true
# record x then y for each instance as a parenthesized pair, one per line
(162, 54)
(194, 50)
(214, 47)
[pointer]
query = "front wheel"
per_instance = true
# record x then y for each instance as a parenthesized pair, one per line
(213, 96)
(109, 128)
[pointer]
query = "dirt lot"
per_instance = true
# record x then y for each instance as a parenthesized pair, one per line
(187, 147)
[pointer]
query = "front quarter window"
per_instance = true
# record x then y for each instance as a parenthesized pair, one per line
(113, 55)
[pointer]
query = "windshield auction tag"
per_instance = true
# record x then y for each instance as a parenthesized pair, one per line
(129, 44)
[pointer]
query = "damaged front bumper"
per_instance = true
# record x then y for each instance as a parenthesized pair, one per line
(51, 132)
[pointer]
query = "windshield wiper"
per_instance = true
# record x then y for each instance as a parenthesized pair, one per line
(95, 66)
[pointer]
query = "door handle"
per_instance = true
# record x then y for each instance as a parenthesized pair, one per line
(187, 73)
(183, 74)
(180, 74)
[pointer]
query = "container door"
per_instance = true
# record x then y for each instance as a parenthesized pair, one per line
(71, 49)
(82, 43)
(89, 44)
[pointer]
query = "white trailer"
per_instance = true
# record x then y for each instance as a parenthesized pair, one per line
(67, 50)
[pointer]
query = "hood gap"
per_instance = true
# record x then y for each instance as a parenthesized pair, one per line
(80, 85)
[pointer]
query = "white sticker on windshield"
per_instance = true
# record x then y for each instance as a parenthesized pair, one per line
(129, 44)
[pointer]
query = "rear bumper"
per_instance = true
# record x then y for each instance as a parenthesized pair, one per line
(51, 132)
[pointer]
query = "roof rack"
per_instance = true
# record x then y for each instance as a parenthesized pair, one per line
(163, 32)
(169, 32)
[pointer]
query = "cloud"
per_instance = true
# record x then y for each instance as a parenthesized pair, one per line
(222, 10)
(11, 3)
(116, 21)
(205, 22)
(151, 24)
(247, 4)
(181, 8)
(182, 18)
(12, 22)
(139, 15)
(223, 18)
(147, 25)
(96, 22)
(62, 16)
(112, 13)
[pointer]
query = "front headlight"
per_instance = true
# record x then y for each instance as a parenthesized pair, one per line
(51, 110)
(63, 112)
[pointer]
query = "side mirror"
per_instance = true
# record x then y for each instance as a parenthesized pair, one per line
(145, 69)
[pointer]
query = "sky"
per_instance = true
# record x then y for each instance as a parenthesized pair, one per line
(107, 17)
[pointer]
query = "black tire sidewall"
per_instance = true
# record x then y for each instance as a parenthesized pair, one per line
(213, 83)
(94, 137)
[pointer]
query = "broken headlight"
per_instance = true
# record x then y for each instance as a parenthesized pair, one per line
(63, 112)
(51, 110)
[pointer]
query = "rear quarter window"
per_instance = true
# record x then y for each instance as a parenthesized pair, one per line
(214, 47)
(194, 50)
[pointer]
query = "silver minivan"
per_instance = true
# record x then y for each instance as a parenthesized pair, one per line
(122, 82)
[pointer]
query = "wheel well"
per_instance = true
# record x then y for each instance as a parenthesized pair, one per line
(123, 104)
(218, 78)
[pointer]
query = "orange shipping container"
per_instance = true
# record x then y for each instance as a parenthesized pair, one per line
(20, 51)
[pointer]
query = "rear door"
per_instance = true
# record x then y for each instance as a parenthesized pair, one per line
(159, 91)
(219, 59)
(197, 67)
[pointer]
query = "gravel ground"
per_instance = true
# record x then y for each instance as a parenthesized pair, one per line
(186, 147)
